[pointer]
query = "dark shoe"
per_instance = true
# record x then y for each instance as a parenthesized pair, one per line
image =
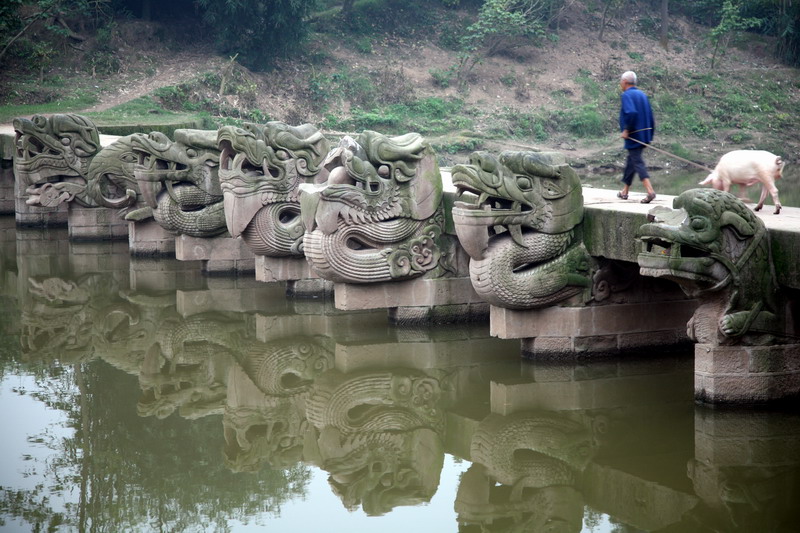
(649, 198)
(623, 196)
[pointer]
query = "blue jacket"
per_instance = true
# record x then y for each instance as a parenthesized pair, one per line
(636, 115)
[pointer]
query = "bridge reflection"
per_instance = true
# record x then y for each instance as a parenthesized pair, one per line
(293, 383)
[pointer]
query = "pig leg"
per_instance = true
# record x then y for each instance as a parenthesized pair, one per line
(761, 199)
(773, 191)
(743, 193)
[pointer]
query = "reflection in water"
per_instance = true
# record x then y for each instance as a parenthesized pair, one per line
(187, 415)
(378, 434)
(264, 418)
(525, 472)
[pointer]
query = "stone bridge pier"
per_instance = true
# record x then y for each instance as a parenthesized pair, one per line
(649, 292)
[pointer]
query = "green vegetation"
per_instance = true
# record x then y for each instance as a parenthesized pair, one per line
(429, 116)
(372, 89)
(82, 101)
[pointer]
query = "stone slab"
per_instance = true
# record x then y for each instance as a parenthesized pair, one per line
(412, 293)
(6, 189)
(96, 223)
(576, 322)
(147, 238)
(221, 248)
(746, 374)
(269, 269)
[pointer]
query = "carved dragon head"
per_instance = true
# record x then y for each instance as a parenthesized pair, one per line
(718, 251)
(704, 242)
(59, 145)
(374, 178)
(110, 178)
(516, 191)
(264, 165)
(192, 158)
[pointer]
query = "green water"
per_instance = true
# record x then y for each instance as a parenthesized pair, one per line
(138, 395)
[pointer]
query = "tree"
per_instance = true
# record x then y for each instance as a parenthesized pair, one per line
(731, 22)
(499, 23)
(608, 6)
(258, 31)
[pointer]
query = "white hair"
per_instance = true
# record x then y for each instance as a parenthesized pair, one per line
(629, 76)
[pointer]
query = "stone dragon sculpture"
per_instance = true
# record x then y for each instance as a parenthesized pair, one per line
(718, 251)
(261, 168)
(378, 213)
(379, 435)
(60, 159)
(522, 232)
(179, 180)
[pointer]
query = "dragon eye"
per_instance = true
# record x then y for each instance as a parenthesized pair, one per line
(65, 141)
(191, 152)
(698, 223)
(524, 183)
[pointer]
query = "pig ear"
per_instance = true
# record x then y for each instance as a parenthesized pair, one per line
(742, 227)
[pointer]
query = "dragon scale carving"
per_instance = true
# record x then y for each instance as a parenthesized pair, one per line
(520, 233)
(190, 211)
(378, 215)
(718, 251)
(261, 169)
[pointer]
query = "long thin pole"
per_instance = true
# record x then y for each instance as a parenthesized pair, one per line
(672, 155)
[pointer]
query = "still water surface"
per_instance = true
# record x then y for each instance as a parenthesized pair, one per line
(138, 395)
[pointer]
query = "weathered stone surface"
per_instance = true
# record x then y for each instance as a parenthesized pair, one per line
(733, 374)
(269, 269)
(414, 293)
(261, 169)
(718, 251)
(616, 319)
(148, 238)
(96, 223)
(522, 231)
(378, 214)
(188, 248)
(179, 181)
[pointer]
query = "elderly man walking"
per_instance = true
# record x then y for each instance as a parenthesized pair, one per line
(638, 126)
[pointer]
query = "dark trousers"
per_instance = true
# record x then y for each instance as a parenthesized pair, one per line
(634, 165)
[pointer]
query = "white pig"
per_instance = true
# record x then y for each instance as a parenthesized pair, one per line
(745, 168)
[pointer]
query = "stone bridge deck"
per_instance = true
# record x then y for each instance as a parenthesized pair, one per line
(611, 224)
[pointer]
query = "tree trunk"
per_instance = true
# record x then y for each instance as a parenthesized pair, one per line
(664, 23)
(603, 22)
